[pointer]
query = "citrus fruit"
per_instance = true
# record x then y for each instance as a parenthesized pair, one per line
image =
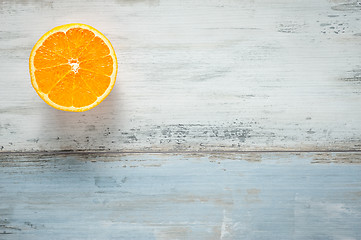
(73, 67)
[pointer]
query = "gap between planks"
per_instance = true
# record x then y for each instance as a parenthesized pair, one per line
(72, 152)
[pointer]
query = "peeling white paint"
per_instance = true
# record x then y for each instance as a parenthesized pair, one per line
(226, 227)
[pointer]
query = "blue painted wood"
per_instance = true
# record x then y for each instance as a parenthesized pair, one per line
(191, 196)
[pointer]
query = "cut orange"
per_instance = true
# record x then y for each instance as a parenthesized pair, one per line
(73, 67)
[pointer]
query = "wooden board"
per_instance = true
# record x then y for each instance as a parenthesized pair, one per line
(210, 75)
(189, 196)
(229, 120)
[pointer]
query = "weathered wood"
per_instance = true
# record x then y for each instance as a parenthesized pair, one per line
(211, 78)
(210, 75)
(190, 196)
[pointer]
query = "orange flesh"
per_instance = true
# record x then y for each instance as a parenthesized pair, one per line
(73, 67)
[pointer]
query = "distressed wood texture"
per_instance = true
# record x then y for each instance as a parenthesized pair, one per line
(195, 75)
(252, 106)
(191, 196)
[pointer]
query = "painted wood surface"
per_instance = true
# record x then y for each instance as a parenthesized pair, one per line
(252, 106)
(189, 196)
(195, 75)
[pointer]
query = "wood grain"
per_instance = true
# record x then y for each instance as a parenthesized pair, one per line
(229, 120)
(195, 76)
(189, 196)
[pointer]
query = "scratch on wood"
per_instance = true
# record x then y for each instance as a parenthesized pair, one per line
(349, 6)
(339, 158)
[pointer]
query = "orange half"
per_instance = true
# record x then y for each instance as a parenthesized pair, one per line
(73, 67)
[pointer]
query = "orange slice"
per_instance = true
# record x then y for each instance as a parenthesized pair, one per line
(73, 67)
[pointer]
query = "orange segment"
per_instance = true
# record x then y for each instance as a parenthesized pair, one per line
(102, 65)
(48, 77)
(73, 67)
(62, 92)
(85, 95)
(45, 58)
(98, 83)
(96, 49)
(78, 39)
(58, 44)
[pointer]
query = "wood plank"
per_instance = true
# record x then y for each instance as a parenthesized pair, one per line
(210, 75)
(189, 196)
